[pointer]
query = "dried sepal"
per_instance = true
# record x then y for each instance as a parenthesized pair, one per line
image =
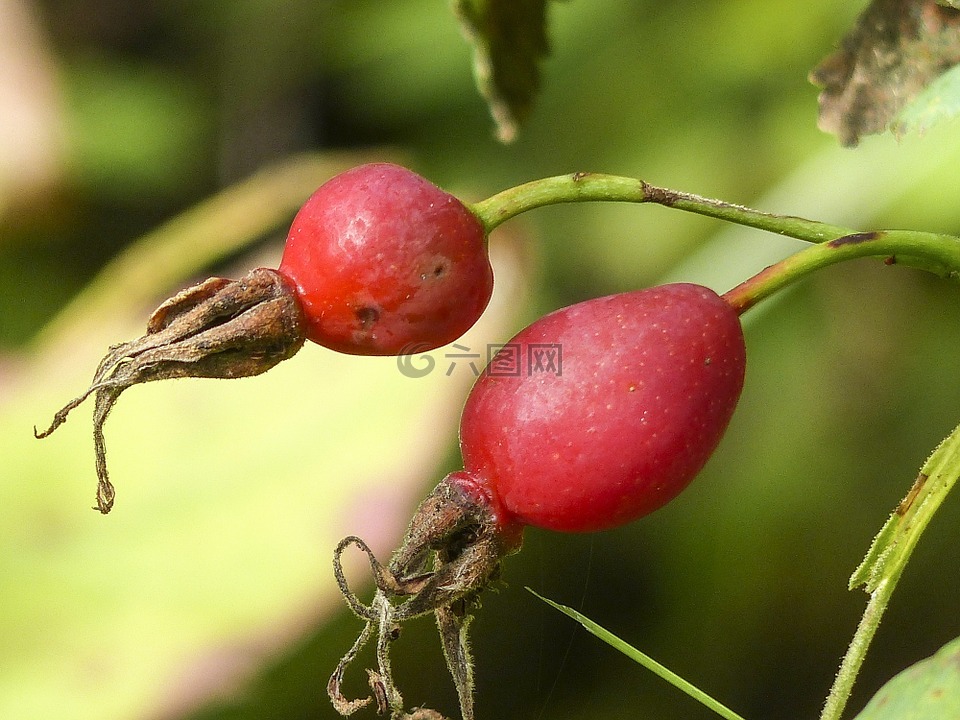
(422, 714)
(451, 551)
(218, 328)
(340, 703)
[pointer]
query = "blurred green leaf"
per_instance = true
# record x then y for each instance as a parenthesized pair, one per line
(928, 690)
(939, 101)
(135, 131)
(509, 38)
(894, 51)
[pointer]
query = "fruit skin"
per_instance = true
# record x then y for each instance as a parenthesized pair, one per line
(648, 382)
(386, 263)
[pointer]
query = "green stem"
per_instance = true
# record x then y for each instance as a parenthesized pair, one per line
(939, 254)
(888, 556)
(596, 187)
(853, 659)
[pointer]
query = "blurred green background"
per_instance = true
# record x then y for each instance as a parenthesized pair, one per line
(208, 593)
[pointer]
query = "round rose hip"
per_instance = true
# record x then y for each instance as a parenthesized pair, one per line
(384, 262)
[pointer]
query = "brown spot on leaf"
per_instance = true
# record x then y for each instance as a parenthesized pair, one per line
(908, 501)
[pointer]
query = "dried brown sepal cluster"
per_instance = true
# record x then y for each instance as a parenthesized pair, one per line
(218, 328)
(451, 551)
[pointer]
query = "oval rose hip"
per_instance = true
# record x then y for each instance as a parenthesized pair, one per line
(618, 403)
(593, 416)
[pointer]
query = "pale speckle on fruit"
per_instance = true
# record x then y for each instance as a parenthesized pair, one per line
(354, 235)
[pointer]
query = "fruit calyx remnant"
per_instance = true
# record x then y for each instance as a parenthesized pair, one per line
(450, 552)
(218, 328)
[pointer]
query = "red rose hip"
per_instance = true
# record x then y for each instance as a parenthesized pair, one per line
(618, 403)
(384, 262)
(592, 417)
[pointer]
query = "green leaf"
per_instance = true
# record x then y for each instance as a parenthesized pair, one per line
(509, 39)
(643, 659)
(940, 100)
(928, 690)
(896, 540)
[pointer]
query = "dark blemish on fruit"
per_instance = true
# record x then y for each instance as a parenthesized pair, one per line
(439, 269)
(367, 316)
(854, 239)
(578, 176)
(707, 361)
(907, 502)
(892, 260)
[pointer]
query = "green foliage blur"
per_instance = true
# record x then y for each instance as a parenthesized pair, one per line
(122, 115)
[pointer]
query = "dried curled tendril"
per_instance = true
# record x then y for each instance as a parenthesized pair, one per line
(218, 328)
(451, 551)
